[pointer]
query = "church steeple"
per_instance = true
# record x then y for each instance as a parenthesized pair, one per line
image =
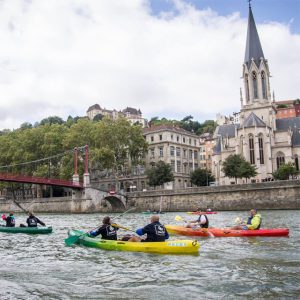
(253, 47)
(256, 72)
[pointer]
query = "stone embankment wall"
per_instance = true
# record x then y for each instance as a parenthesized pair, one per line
(269, 195)
(52, 205)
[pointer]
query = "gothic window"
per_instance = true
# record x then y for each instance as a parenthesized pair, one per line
(296, 162)
(251, 149)
(261, 150)
(177, 151)
(280, 160)
(263, 84)
(178, 166)
(254, 80)
(247, 88)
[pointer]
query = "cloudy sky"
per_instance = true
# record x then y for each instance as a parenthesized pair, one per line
(170, 58)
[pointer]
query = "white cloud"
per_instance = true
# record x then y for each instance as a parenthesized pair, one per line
(59, 57)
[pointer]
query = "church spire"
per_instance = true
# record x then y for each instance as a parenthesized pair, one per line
(253, 47)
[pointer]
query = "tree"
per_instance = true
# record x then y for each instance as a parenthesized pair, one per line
(52, 120)
(247, 170)
(235, 166)
(98, 117)
(160, 174)
(201, 177)
(285, 171)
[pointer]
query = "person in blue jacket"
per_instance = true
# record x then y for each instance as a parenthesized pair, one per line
(155, 231)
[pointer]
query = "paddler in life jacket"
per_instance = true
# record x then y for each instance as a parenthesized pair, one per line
(10, 220)
(253, 222)
(202, 220)
(33, 221)
(156, 232)
(107, 231)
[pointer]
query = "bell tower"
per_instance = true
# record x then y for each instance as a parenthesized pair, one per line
(256, 78)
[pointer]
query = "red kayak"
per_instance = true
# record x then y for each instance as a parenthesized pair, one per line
(226, 232)
(202, 213)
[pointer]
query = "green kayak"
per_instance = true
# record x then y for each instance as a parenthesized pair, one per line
(29, 230)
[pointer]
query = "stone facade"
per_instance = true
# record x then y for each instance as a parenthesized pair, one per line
(174, 146)
(260, 138)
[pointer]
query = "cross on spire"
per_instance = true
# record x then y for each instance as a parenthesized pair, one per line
(249, 1)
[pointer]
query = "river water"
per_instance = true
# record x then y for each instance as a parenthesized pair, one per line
(42, 267)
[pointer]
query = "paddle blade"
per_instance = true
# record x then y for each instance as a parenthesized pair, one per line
(178, 218)
(71, 240)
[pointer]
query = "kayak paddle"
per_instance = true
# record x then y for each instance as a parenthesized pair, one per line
(73, 239)
(121, 227)
(179, 218)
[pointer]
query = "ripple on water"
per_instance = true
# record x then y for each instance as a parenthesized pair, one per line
(42, 267)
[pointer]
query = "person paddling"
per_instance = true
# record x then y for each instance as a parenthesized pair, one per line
(10, 220)
(156, 232)
(253, 222)
(202, 220)
(33, 221)
(107, 231)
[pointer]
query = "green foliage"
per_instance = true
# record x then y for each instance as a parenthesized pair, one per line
(98, 117)
(110, 144)
(297, 101)
(235, 166)
(285, 171)
(160, 174)
(201, 177)
(187, 124)
(282, 106)
(52, 120)
(26, 125)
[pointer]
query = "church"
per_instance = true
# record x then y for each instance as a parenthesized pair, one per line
(260, 138)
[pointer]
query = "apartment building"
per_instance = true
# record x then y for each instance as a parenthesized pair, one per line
(207, 143)
(175, 146)
(287, 109)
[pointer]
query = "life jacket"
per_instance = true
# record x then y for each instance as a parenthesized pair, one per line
(32, 222)
(10, 221)
(205, 225)
(156, 232)
(108, 232)
(249, 222)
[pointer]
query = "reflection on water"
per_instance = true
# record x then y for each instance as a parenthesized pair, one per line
(42, 267)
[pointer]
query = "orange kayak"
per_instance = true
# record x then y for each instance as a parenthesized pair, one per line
(225, 232)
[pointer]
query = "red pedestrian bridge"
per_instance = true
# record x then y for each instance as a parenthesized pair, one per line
(40, 180)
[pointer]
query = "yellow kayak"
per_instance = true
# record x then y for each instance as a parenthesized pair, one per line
(167, 247)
